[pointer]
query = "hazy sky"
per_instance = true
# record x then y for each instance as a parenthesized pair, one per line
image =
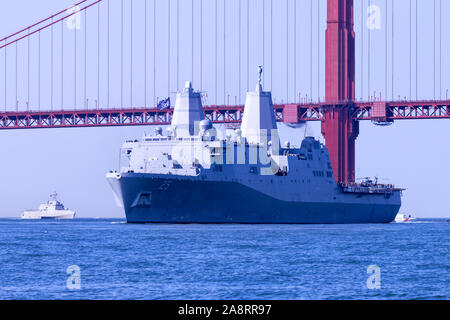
(411, 154)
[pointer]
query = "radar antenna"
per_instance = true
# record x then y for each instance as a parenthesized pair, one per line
(54, 196)
(260, 71)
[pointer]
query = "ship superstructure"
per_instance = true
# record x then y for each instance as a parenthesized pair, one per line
(188, 174)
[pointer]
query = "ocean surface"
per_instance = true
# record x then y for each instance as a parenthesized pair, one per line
(124, 261)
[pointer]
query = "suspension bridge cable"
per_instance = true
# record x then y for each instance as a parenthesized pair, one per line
(368, 55)
(46, 26)
(264, 37)
(287, 51)
(98, 55)
(295, 50)
(440, 49)
(392, 48)
(28, 67)
(75, 66)
(6, 77)
(216, 52)
(178, 44)
(16, 80)
(193, 39)
(311, 53)
(318, 51)
(131, 54)
(271, 45)
(62, 65)
(239, 51)
(386, 49)
(145, 54)
(39, 71)
(168, 48)
(48, 18)
(248, 45)
(51, 76)
(109, 58)
(417, 51)
(434, 49)
(85, 59)
(410, 49)
(121, 55)
(224, 52)
(154, 52)
(362, 50)
(201, 45)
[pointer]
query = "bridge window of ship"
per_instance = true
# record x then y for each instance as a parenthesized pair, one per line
(318, 173)
(176, 165)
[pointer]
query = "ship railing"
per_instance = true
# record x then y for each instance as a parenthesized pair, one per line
(367, 188)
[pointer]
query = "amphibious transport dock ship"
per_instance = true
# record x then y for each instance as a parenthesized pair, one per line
(189, 175)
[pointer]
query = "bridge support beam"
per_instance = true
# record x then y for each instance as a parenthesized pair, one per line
(338, 128)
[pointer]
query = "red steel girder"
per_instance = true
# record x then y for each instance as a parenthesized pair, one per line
(404, 110)
(288, 113)
(84, 118)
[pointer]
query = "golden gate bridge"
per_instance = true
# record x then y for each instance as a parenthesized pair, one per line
(90, 54)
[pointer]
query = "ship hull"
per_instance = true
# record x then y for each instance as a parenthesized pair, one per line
(37, 215)
(174, 200)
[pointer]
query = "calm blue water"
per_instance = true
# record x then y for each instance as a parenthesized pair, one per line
(122, 261)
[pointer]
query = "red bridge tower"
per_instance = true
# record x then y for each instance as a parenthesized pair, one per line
(338, 127)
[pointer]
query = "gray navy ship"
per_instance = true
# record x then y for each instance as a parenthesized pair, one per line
(188, 174)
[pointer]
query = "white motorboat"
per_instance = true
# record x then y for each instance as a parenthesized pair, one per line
(401, 218)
